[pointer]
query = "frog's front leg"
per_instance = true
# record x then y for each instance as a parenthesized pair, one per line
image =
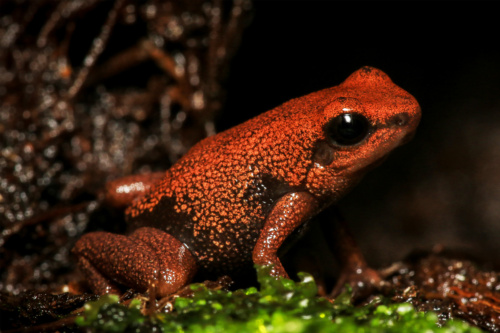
(290, 211)
(147, 258)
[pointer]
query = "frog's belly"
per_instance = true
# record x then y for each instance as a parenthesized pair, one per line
(224, 252)
(220, 244)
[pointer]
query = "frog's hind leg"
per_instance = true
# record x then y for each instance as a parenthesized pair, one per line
(148, 258)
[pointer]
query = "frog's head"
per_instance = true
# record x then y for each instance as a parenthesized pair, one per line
(367, 116)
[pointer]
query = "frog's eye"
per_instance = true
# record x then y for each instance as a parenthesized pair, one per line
(348, 129)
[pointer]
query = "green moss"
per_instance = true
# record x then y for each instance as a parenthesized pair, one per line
(280, 306)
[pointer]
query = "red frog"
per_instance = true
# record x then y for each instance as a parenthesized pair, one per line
(235, 197)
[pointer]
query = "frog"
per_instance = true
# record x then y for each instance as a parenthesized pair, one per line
(233, 199)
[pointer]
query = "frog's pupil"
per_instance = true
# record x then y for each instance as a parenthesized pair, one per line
(348, 129)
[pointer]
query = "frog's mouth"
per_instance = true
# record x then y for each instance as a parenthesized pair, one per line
(378, 162)
(407, 138)
(393, 141)
(373, 153)
(370, 166)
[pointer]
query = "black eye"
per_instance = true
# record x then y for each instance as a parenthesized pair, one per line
(348, 129)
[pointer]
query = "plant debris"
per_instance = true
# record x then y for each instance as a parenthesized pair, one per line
(452, 288)
(32, 308)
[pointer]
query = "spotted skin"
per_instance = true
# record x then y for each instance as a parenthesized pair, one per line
(235, 197)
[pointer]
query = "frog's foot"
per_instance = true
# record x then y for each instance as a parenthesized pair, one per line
(148, 258)
(362, 279)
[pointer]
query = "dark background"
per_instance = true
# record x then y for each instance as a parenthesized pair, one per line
(443, 188)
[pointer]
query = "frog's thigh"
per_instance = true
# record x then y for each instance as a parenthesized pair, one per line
(176, 263)
(290, 211)
(148, 257)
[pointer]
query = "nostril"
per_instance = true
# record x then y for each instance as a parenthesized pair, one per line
(400, 119)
